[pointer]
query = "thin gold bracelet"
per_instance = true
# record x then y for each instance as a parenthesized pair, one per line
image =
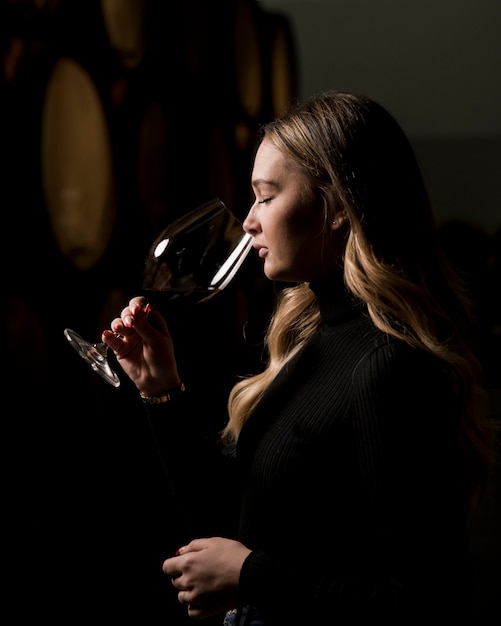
(164, 397)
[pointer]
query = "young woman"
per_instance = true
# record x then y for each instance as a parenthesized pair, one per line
(340, 489)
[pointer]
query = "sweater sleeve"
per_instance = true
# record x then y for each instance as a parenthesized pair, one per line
(197, 469)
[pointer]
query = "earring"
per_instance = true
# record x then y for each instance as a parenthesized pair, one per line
(334, 222)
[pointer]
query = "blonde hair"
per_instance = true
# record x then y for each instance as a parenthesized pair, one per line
(359, 161)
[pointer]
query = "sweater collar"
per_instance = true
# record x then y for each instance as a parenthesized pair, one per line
(337, 304)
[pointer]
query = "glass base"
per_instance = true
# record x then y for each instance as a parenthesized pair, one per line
(94, 354)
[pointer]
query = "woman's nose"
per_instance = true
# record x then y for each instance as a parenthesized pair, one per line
(251, 224)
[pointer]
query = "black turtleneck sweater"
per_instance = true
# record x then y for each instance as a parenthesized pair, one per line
(346, 483)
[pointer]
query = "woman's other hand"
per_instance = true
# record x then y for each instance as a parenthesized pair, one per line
(206, 572)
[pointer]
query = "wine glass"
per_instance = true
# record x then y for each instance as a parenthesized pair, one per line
(196, 255)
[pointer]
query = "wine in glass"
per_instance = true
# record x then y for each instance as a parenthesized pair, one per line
(196, 256)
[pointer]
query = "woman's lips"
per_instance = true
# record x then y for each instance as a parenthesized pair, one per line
(261, 250)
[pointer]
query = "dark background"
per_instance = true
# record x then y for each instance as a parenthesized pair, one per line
(173, 94)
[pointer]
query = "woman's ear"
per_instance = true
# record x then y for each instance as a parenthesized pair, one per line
(340, 219)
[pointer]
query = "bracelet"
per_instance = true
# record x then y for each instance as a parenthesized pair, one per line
(164, 397)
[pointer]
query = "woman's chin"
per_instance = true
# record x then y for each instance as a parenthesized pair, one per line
(276, 276)
(269, 272)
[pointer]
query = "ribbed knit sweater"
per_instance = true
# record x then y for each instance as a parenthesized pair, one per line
(346, 482)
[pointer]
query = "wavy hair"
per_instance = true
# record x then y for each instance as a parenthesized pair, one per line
(359, 160)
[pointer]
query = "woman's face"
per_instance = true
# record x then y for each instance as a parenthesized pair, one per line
(287, 221)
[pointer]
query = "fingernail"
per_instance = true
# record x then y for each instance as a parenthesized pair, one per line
(128, 321)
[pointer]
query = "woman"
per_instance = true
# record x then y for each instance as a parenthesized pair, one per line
(353, 459)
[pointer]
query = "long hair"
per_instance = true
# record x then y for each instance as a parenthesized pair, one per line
(359, 160)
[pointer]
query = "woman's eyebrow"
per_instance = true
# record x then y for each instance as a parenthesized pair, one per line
(260, 182)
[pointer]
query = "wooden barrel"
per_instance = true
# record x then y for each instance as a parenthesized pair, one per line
(248, 59)
(203, 168)
(282, 74)
(125, 25)
(77, 165)
(221, 171)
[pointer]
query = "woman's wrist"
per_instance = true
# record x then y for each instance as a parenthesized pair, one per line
(164, 396)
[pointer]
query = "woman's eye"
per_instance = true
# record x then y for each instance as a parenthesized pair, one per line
(264, 201)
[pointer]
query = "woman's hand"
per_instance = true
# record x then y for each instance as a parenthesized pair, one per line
(143, 346)
(206, 572)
